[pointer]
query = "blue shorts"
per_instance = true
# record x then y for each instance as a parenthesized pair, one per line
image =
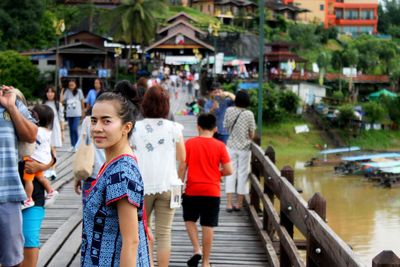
(11, 238)
(32, 223)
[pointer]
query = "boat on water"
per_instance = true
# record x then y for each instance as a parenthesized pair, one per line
(387, 177)
(375, 165)
(354, 164)
(330, 156)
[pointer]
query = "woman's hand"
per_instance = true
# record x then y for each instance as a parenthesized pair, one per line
(78, 186)
(32, 166)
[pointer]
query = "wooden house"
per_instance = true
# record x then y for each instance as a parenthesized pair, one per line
(226, 10)
(83, 56)
(281, 8)
(180, 42)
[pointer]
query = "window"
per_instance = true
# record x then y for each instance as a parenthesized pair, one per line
(367, 14)
(351, 14)
(356, 30)
(321, 7)
(51, 62)
(339, 13)
(35, 62)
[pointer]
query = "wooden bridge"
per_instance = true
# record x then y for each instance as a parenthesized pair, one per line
(260, 235)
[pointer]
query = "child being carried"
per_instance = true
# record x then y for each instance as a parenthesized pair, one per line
(41, 153)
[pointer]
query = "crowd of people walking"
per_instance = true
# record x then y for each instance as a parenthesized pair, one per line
(139, 154)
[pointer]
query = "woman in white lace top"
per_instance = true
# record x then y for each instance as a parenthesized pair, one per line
(158, 144)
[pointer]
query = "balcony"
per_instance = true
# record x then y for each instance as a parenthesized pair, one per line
(356, 22)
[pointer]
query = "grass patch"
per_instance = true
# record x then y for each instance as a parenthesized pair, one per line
(377, 140)
(287, 143)
(333, 45)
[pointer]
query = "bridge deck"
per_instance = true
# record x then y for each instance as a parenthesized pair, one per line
(236, 243)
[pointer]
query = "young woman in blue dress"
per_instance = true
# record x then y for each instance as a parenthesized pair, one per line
(114, 225)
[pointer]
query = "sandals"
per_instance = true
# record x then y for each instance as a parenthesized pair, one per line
(236, 208)
(229, 210)
(194, 260)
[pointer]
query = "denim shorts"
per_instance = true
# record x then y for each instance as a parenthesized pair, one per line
(32, 223)
(11, 238)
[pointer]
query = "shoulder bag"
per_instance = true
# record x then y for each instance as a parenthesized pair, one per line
(83, 161)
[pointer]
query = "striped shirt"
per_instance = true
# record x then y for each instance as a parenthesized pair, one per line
(11, 188)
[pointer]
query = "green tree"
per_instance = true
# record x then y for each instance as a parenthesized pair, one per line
(383, 22)
(323, 61)
(394, 72)
(289, 101)
(374, 112)
(303, 36)
(346, 116)
(350, 56)
(387, 51)
(326, 34)
(18, 71)
(271, 110)
(25, 25)
(337, 64)
(392, 107)
(367, 48)
(133, 21)
(388, 13)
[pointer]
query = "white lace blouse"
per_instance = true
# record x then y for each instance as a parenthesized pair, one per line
(154, 142)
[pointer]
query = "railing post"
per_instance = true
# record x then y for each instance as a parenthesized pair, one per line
(256, 170)
(267, 224)
(386, 258)
(314, 252)
(288, 173)
(270, 153)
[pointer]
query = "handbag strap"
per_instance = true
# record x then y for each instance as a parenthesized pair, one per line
(234, 123)
(87, 139)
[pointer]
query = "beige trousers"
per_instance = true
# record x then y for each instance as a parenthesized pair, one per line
(164, 215)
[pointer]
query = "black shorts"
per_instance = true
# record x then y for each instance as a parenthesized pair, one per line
(207, 208)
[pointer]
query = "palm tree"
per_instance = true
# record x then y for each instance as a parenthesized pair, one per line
(351, 57)
(323, 60)
(133, 21)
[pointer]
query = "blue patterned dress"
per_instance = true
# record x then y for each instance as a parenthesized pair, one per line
(101, 238)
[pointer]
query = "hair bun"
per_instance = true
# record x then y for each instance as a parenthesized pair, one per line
(125, 89)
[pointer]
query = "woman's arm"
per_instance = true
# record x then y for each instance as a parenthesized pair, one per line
(32, 166)
(227, 169)
(129, 227)
(229, 94)
(182, 170)
(62, 96)
(180, 150)
(83, 109)
(252, 133)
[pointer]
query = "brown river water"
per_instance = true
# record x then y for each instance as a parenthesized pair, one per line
(365, 216)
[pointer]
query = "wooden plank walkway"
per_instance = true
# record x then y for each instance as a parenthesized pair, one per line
(236, 242)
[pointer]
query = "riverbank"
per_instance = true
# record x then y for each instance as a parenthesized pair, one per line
(377, 140)
(287, 143)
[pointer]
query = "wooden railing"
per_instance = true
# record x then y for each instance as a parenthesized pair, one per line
(323, 246)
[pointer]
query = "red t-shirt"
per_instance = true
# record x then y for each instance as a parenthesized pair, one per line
(204, 157)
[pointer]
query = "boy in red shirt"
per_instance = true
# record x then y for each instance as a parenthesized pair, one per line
(207, 160)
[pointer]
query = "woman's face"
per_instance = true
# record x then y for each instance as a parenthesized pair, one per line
(107, 129)
(50, 95)
(97, 84)
(72, 85)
